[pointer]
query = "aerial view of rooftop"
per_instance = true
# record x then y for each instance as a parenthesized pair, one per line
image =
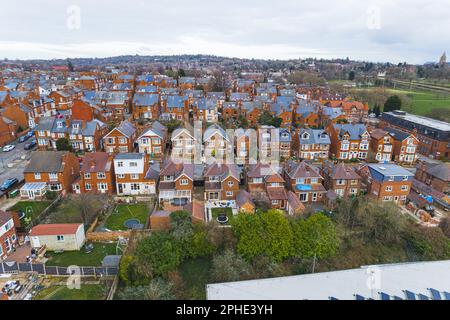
(242, 150)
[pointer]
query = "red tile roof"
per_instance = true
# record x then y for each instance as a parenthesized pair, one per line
(54, 229)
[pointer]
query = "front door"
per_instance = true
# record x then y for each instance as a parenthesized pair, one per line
(314, 197)
(120, 188)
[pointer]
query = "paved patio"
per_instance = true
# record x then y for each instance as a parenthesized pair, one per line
(21, 253)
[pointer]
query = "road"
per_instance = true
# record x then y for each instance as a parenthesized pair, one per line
(13, 163)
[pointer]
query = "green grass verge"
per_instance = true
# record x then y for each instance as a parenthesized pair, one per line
(81, 258)
(124, 212)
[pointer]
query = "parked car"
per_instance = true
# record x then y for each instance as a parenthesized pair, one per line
(10, 286)
(18, 288)
(27, 136)
(8, 183)
(30, 145)
(8, 148)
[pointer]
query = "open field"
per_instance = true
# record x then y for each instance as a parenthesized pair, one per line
(414, 101)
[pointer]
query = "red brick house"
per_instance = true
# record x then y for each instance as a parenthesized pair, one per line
(96, 174)
(221, 182)
(121, 139)
(8, 236)
(387, 181)
(305, 181)
(49, 170)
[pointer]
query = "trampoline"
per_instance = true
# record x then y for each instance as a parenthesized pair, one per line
(132, 224)
(222, 218)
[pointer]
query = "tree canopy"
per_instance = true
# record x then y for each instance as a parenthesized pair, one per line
(392, 103)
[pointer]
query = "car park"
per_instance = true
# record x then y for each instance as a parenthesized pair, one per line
(8, 148)
(8, 184)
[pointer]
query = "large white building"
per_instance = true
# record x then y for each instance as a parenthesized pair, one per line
(402, 281)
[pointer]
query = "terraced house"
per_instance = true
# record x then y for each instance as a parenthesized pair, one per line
(349, 141)
(405, 146)
(382, 145)
(49, 170)
(145, 106)
(96, 174)
(134, 175)
(274, 143)
(82, 135)
(175, 107)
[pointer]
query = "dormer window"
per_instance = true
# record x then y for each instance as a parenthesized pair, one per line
(76, 125)
(305, 136)
(168, 178)
(59, 124)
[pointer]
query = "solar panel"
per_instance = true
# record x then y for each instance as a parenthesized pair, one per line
(423, 297)
(359, 297)
(410, 295)
(397, 298)
(384, 296)
(447, 295)
(435, 294)
(333, 298)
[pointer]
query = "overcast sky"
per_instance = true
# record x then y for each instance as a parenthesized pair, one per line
(416, 31)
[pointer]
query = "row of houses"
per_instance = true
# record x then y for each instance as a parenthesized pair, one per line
(132, 174)
(339, 141)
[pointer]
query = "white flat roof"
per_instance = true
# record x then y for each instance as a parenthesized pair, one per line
(432, 123)
(366, 281)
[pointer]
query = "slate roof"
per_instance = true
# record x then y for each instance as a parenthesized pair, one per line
(145, 99)
(46, 161)
(221, 170)
(126, 128)
(315, 136)
(355, 130)
(4, 217)
(342, 171)
(301, 170)
(440, 171)
(397, 134)
(213, 129)
(96, 162)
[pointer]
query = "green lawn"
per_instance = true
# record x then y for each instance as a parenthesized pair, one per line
(86, 292)
(423, 102)
(216, 211)
(32, 209)
(81, 258)
(195, 273)
(124, 212)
